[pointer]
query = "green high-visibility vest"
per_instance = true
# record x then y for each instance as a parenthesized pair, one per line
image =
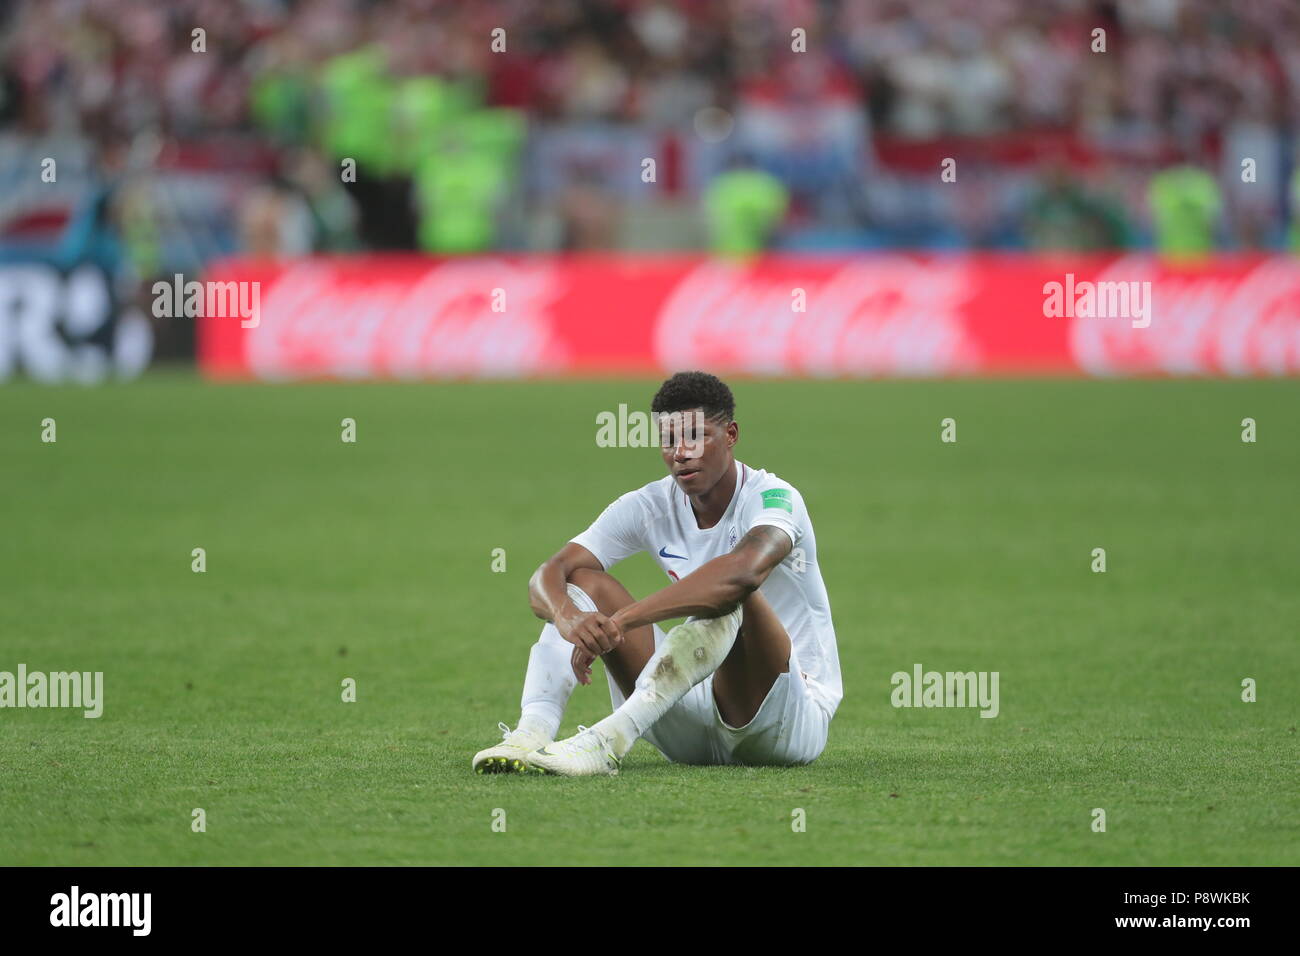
(744, 205)
(457, 194)
(1185, 205)
(358, 123)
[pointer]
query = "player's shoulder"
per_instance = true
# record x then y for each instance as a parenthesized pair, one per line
(766, 489)
(654, 497)
(658, 492)
(759, 480)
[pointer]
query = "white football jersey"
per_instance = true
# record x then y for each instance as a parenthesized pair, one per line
(658, 518)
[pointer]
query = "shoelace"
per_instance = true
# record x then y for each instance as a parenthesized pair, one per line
(595, 744)
(505, 729)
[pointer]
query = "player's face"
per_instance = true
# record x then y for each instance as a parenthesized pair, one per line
(696, 450)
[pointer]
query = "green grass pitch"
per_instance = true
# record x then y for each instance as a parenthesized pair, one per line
(372, 560)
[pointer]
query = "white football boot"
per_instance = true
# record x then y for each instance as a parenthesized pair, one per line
(511, 755)
(586, 754)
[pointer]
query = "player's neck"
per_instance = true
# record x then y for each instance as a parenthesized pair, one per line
(712, 505)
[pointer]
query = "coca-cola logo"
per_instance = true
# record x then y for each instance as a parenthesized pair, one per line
(884, 316)
(1203, 323)
(452, 319)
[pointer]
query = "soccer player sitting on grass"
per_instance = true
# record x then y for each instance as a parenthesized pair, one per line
(751, 677)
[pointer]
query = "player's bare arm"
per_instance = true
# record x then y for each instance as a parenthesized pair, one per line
(548, 595)
(716, 587)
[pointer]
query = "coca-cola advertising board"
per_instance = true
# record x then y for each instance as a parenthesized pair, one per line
(411, 317)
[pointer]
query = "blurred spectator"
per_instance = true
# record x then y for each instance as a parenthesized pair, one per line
(301, 211)
(1064, 214)
(275, 223)
(1294, 194)
(589, 214)
(1185, 203)
(744, 204)
(1254, 214)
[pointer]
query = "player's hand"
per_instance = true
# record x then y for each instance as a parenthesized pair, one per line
(592, 631)
(582, 665)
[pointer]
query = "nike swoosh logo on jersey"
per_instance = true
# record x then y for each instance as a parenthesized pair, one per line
(663, 553)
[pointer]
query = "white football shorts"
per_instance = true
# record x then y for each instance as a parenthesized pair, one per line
(790, 727)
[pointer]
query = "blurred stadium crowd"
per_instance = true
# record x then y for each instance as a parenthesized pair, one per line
(169, 155)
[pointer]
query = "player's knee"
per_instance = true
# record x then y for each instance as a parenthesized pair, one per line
(601, 587)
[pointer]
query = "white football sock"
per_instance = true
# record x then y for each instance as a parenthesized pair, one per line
(689, 653)
(550, 678)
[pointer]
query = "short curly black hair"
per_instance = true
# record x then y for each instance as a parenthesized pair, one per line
(689, 390)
